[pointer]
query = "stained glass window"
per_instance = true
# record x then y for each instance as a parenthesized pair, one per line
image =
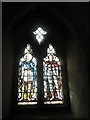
(27, 78)
(52, 78)
(39, 34)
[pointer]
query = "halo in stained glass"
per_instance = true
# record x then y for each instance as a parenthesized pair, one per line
(27, 78)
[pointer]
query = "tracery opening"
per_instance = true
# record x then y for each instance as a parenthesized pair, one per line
(40, 34)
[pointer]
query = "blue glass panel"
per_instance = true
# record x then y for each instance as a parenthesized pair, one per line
(27, 78)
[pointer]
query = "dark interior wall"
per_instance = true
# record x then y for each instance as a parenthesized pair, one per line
(78, 81)
(7, 75)
(61, 36)
(77, 62)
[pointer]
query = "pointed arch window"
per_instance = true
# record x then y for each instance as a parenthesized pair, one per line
(52, 78)
(27, 78)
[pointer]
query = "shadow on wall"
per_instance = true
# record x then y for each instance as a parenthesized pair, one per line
(78, 81)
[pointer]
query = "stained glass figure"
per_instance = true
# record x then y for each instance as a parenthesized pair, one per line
(52, 76)
(27, 78)
(39, 34)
